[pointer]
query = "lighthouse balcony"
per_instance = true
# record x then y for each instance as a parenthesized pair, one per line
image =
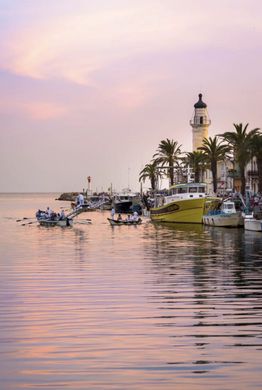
(200, 121)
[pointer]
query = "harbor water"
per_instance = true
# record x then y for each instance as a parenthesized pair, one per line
(126, 307)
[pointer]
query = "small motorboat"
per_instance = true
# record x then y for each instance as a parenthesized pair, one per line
(223, 214)
(116, 222)
(253, 222)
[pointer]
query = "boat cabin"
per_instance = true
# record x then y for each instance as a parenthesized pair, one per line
(182, 192)
(126, 196)
(228, 207)
(187, 191)
(217, 206)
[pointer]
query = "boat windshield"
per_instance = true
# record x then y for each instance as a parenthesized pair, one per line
(186, 189)
(229, 206)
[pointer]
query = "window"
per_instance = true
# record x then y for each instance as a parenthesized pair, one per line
(182, 190)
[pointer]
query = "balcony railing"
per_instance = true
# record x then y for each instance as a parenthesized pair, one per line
(252, 173)
(233, 173)
(200, 122)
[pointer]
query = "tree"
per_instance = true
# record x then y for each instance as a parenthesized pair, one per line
(167, 154)
(214, 152)
(197, 161)
(240, 144)
(151, 172)
(256, 151)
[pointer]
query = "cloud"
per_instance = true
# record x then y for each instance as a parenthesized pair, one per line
(74, 47)
(78, 45)
(33, 110)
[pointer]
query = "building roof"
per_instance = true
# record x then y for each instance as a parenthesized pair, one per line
(200, 103)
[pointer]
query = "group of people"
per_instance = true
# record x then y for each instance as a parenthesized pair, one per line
(134, 217)
(130, 218)
(50, 214)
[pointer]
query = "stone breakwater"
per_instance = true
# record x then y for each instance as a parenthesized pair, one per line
(70, 196)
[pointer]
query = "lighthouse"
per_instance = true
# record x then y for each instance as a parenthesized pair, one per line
(200, 123)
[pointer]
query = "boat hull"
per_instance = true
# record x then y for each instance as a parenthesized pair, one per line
(253, 224)
(180, 211)
(223, 220)
(49, 223)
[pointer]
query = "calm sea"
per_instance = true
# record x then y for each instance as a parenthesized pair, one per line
(127, 307)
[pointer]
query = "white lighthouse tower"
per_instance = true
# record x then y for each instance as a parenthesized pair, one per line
(200, 123)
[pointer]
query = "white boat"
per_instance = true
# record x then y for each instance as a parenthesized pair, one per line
(223, 214)
(184, 203)
(253, 223)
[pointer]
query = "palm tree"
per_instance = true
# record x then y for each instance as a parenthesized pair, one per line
(197, 161)
(240, 144)
(214, 151)
(256, 151)
(167, 154)
(151, 172)
(181, 171)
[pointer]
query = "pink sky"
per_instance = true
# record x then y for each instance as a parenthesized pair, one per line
(91, 88)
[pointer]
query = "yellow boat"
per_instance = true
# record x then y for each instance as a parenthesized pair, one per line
(184, 203)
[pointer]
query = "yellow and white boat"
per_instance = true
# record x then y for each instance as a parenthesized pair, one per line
(184, 203)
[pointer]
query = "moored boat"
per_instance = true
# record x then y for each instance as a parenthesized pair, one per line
(184, 203)
(252, 223)
(127, 202)
(223, 214)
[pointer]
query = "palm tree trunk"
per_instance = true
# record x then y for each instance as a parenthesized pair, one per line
(153, 184)
(243, 180)
(214, 176)
(171, 174)
(197, 175)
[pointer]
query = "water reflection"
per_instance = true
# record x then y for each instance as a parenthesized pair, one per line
(147, 307)
(206, 281)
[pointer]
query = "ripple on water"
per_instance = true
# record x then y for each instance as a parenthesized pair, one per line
(146, 307)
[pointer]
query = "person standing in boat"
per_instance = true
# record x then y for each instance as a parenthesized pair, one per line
(113, 213)
(81, 199)
(48, 212)
(135, 216)
(62, 215)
